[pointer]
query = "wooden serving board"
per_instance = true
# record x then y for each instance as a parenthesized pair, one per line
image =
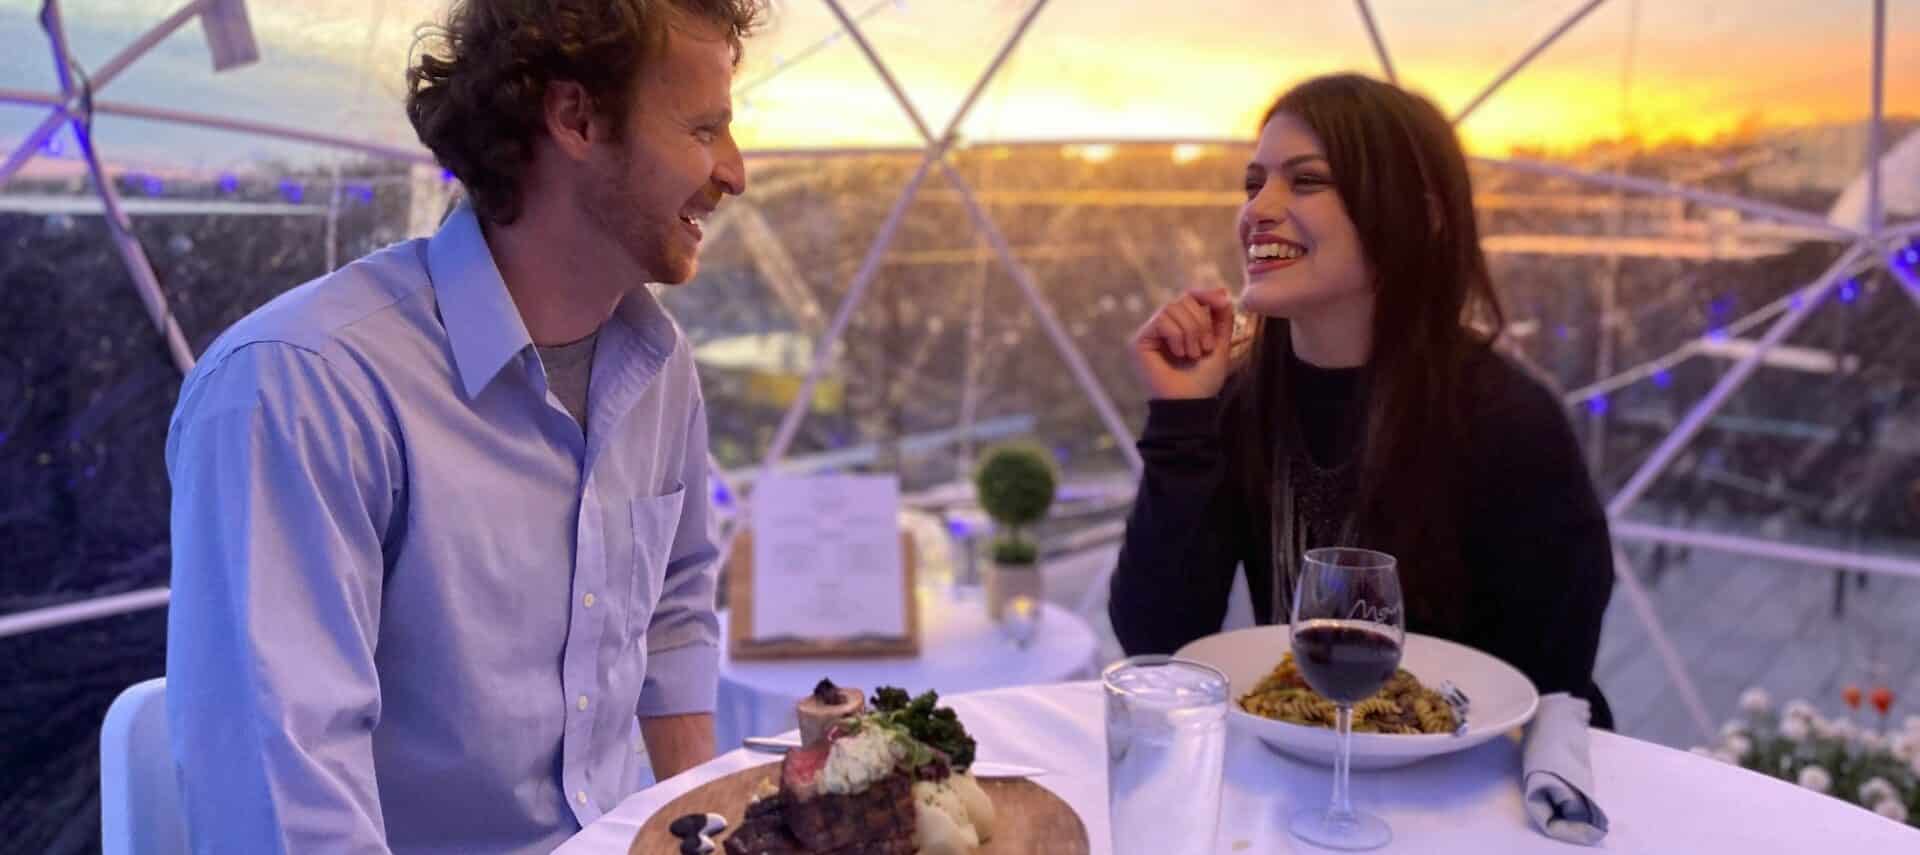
(1029, 819)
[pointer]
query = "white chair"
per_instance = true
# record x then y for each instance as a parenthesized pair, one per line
(139, 795)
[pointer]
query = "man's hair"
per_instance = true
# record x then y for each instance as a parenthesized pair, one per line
(477, 98)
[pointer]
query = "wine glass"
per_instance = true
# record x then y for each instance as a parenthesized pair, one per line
(1348, 627)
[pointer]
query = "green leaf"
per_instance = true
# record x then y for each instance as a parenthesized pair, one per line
(1013, 551)
(889, 698)
(922, 719)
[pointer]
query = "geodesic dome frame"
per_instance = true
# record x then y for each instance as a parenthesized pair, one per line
(1870, 243)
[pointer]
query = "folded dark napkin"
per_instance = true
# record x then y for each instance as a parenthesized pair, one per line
(1557, 772)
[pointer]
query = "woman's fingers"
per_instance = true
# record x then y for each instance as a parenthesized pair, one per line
(1194, 319)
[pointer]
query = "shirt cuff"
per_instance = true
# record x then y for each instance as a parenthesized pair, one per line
(1182, 417)
(680, 681)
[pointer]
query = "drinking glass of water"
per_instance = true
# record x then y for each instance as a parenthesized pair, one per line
(1166, 743)
(1348, 627)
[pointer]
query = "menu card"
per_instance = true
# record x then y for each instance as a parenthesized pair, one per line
(826, 557)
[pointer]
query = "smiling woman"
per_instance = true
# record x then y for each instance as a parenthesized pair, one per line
(1369, 410)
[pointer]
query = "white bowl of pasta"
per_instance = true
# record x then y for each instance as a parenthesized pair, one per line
(1501, 697)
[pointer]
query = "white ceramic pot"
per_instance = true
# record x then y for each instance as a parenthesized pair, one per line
(1007, 581)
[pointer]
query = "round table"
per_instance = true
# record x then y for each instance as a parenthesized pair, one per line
(961, 650)
(1659, 800)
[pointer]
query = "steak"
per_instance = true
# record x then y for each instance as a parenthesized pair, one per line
(764, 831)
(883, 812)
(800, 820)
(800, 769)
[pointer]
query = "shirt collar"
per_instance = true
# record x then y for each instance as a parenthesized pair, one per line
(649, 322)
(483, 326)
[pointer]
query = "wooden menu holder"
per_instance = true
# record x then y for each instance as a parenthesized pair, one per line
(741, 644)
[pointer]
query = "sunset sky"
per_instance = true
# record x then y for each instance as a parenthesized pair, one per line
(1123, 69)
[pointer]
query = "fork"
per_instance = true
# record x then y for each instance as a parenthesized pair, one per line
(1459, 701)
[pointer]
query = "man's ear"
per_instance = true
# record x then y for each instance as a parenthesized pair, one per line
(570, 117)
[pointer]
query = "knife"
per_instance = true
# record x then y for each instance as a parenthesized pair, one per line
(771, 745)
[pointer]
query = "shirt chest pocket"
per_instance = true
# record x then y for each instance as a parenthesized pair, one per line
(656, 521)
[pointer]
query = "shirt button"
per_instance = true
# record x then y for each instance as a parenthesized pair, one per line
(581, 796)
(583, 702)
(587, 600)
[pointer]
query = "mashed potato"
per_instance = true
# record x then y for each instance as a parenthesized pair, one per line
(952, 817)
(858, 760)
(979, 807)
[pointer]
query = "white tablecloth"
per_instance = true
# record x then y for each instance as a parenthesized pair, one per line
(1659, 800)
(960, 651)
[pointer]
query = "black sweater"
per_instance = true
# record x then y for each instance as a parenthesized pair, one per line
(1534, 536)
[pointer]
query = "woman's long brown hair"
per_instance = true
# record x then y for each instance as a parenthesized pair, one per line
(1401, 173)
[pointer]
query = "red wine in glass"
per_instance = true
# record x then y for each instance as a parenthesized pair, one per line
(1345, 662)
(1348, 624)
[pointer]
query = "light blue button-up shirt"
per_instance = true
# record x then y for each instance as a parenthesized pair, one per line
(416, 608)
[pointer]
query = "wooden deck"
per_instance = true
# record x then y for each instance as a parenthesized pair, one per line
(1742, 622)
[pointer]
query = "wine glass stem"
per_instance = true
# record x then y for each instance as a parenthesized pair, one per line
(1342, 810)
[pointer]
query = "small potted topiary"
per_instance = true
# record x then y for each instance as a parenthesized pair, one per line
(1015, 486)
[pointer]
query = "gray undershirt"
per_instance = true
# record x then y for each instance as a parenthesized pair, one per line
(569, 367)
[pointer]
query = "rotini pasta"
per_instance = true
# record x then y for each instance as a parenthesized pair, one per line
(1401, 706)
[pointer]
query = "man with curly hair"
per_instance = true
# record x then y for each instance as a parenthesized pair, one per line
(442, 572)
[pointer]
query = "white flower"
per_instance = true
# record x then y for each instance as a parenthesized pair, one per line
(1794, 729)
(1891, 809)
(1876, 789)
(1903, 746)
(1816, 779)
(1798, 708)
(1738, 745)
(1872, 741)
(1824, 729)
(1733, 727)
(1755, 700)
(1843, 730)
(1720, 754)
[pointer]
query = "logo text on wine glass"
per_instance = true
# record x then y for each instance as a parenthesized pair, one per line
(1363, 610)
